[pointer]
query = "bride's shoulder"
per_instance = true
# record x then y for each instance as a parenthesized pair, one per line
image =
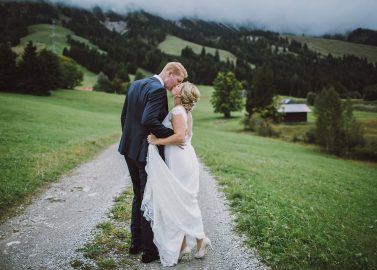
(179, 109)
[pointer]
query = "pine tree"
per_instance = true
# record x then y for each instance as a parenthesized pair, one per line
(7, 67)
(122, 73)
(217, 56)
(50, 70)
(328, 109)
(29, 70)
(227, 95)
(351, 129)
(262, 92)
(203, 52)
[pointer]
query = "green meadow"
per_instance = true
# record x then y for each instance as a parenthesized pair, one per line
(173, 45)
(89, 79)
(299, 207)
(338, 48)
(43, 137)
(42, 36)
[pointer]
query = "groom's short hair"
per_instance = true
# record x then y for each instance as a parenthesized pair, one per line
(177, 68)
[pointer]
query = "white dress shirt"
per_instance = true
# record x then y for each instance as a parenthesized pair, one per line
(159, 78)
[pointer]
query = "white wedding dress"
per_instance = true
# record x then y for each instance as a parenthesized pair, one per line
(170, 196)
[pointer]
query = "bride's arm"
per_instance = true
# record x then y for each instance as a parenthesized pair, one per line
(179, 133)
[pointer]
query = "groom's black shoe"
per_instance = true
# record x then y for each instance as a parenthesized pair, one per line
(134, 249)
(149, 257)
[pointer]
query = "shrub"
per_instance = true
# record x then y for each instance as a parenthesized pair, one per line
(266, 128)
(103, 84)
(263, 127)
(310, 136)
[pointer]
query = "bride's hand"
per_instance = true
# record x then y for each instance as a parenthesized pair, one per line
(152, 139)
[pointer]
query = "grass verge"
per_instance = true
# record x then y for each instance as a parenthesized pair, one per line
(109, 247)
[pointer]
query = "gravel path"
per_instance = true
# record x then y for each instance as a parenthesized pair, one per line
(62, 218)
(47, 234)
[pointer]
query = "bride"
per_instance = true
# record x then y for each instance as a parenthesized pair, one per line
(170, 198)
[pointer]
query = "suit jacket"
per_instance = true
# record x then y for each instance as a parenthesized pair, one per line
(144, 109)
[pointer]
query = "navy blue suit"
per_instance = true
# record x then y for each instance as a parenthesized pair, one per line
(144, 109)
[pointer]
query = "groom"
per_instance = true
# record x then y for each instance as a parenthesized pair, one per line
(144, 109)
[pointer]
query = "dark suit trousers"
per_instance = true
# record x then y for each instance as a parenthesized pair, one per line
(141, 230)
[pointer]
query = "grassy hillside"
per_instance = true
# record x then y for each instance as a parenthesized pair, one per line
(173, 45)
(338, 47)
(89, 79)
(43, 137)
(41, 36)
(301, 208)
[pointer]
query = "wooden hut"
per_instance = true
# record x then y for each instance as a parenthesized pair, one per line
(294, 113)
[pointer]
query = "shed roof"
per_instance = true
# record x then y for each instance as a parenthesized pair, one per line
(293, 108)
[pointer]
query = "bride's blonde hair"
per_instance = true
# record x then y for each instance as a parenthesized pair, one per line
(189, 95)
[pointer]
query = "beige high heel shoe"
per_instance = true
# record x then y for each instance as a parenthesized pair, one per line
(203, 248)
(186, 252)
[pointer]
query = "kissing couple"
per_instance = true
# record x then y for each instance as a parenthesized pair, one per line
(166, 221)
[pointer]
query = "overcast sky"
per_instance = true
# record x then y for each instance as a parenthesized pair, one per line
(314, 17)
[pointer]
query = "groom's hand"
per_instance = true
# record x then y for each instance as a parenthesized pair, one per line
(152, 139)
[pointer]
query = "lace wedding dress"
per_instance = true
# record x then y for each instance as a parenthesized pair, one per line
(170, 196)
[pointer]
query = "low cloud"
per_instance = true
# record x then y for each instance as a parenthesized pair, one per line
(312, 17)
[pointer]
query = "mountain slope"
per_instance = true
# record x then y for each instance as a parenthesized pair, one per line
(51, 37)
(338, 48)
(173, 45)
(54, 38)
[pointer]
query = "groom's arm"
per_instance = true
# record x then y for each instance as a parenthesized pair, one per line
(123, 115)
(149, 120)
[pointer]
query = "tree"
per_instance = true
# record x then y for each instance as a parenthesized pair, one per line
(139, 76)
(217, 56)
(51, 73)
(29, 70)
(328, 109)
(262, 91)
(71, 75)
(103, 84)
(7, 67)
(203, 52)
(227, 95)
(351, 129)
(122, 73)
(310, 98)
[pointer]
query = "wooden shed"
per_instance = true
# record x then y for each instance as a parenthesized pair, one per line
(294, 113)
